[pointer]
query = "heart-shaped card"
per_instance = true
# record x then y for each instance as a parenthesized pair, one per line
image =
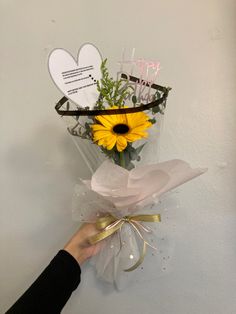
(77, 79)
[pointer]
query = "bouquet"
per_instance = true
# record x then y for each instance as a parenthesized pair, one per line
(116, 125)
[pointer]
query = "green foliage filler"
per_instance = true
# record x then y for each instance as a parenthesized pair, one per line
(111, 92)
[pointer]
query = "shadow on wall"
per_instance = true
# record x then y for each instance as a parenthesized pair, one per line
(47, 150)
(40, 174)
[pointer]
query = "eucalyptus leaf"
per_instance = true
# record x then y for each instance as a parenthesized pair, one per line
(157, 95)
(87, 126)
(134, 99)
(139, 148)
(133, 155)
(156, 109)
(153, 120)
(130, 166)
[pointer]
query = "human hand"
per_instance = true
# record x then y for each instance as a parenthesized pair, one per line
(79, 247)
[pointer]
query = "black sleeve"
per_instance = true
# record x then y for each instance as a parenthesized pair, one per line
(52, 289)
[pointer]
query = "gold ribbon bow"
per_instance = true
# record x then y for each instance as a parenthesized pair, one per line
(110, 224)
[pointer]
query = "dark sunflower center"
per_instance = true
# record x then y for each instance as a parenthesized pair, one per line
(121, 128)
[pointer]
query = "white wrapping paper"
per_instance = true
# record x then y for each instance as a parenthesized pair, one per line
(120, 192)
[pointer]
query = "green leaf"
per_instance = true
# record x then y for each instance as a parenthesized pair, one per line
(133, 154)
(139, 148)
(87, 126)
(158, 95)
(156, 109)
(111, 91)
(134, 99)
(153, 120)
(130, 166)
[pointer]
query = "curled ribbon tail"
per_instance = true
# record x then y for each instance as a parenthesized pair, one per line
(110, 224)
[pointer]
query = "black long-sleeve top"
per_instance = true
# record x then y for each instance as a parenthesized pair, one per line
(52, 289)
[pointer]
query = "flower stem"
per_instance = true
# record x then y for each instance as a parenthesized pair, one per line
(122, 159)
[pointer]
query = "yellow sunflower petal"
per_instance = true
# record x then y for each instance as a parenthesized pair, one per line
(141, 127)
(98, 127)
(141, 134)
(110, 142)
(121, 143)
(132, 137)
(119, 118)
(136, 119)
(101, 141)
(106, 121)
(100, 134)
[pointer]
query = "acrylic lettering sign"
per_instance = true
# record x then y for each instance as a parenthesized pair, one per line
(146, 72)
(77, 79)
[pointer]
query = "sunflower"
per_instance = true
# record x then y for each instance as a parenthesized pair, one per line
(119, 129)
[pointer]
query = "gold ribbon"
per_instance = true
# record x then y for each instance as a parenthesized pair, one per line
(110, 224)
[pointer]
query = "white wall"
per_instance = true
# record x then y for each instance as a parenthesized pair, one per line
(195, 42)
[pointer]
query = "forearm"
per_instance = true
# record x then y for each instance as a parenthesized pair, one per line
(52, 289)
